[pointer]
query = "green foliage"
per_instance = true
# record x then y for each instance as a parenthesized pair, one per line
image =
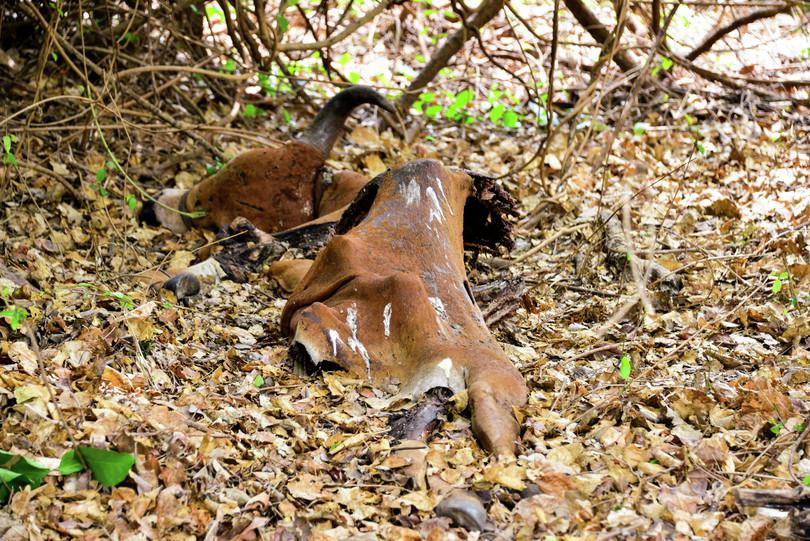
(625, 367)
(283, 24)
(780, 278)
(229, 66)
(640, 128)
(109, 468)
(251, 111)
(663, 65)
(212, 168)
(776, 428)
(17, 472)
(212, 11)
(258, 381)
(132, 201)
(124, 301)
(806, 480)
(101, 176)
(15, 316)
(8, 156)
(129, 38)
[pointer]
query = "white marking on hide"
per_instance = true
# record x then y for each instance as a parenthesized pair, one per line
(438, 305)
(333, 338)
(436, 210)
(387, 320)
(354, 342)
(444, 195)
(413, 193)
(446, 366)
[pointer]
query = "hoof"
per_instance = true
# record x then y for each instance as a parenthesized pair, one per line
(183, 285)
(464, 509)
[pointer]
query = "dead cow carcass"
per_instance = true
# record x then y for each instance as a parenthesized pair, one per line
(274, 188)
(387, 298)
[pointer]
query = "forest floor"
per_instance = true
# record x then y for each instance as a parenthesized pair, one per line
(647, 405)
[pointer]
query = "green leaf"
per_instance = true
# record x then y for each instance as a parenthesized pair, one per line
(510, 119)
(32, 472)
(251, 111)
(625, 367)
(496, 113)
(777, 286)
(799, 428)
(283, 23)
(109, 468)
(701, 148)
(640, 128)
(286, 116)
(101, 175)
(806, 480)
(7, 143)
(344, 59)
(427, 97)
(70, 463)
(433, 111)
(463, 98)
(230, 66)
(354, 77)
(15, 316)
(690, 120)
(784, 275)
(132, 201)
(9, 481)
(776, 428)
(258, 381)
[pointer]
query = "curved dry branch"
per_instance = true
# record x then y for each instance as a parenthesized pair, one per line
(335, 38)
(453, 44)
(718, 34)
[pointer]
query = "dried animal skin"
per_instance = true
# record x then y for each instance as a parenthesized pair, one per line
(388, 299)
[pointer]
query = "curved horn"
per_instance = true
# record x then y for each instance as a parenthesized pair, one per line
(326, 127)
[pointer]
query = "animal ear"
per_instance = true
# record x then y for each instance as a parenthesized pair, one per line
(488, 214)
(358, 209)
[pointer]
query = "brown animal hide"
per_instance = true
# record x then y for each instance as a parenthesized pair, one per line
(274, 188)
(387, 297)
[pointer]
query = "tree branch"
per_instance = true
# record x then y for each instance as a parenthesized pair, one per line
(334, 38)
(453, 44)
(718, 34)
(599, 32)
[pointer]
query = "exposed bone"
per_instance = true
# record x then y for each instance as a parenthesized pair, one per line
(399, 245)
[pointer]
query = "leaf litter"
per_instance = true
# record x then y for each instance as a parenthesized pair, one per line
(640, 422)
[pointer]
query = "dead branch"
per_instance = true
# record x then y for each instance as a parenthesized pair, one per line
(599, 32)
(731, 82)
(718, 34)
(340, 36)
(452, 45)
(618, 253)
